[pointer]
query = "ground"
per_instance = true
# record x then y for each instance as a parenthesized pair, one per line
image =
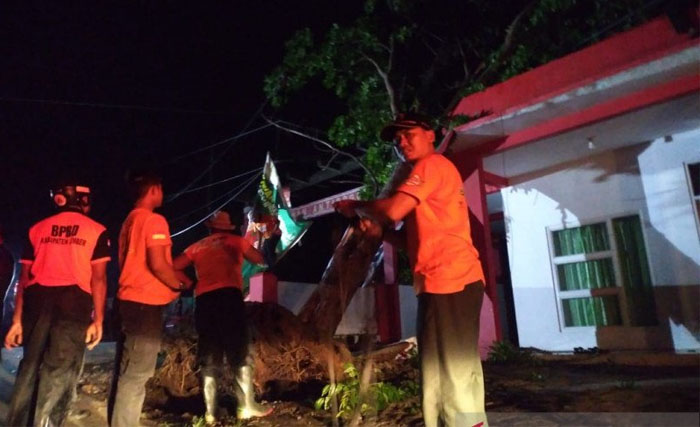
(541, 390)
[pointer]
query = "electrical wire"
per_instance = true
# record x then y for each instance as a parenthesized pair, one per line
(328, 145)
(184, 230)
(226, 194)
(216, 144)
(218, 158)
(114, 106)
(231, 178)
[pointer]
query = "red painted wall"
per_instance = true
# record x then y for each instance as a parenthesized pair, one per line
(644, 43)
(471, 169)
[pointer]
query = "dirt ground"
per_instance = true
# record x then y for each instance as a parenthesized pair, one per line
(546, 384)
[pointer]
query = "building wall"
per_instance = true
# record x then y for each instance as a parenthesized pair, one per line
(359, 316)
(647, 179)
(674, 235)
(670, 209)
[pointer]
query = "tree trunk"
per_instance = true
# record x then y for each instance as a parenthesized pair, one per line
(346, 271)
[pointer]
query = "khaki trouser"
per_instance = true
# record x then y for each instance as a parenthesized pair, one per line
(451, 377)
(135, 364)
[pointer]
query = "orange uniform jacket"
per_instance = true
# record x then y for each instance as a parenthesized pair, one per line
(439, 241)
(218, 261)
(143, 229)
(62, 249)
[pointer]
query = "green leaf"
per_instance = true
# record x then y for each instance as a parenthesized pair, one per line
(433, 43)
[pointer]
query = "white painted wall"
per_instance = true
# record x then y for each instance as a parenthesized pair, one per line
(597, 187)
(674, 238)
(670, 208)
(293, 295)
(357, 319)
(359, 316)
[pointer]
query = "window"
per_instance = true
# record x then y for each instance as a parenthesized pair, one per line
(694, 180)
(602, 274)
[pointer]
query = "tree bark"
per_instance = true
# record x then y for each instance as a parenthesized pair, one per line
(346, 271)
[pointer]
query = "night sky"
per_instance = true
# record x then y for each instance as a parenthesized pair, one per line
(92, 91)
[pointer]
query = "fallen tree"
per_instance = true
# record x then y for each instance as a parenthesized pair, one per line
(287, 354)
(289, 349)
(349, 268)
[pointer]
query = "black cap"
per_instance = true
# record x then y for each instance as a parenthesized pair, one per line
(404, 121)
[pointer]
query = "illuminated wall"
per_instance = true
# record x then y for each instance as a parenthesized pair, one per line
(646, 179)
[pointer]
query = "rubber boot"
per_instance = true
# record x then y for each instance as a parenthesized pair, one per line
(245, 394)
(45, 421)
(210, 399)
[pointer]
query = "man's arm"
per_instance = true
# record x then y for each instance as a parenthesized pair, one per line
(14, 335)
(384, 211)
(159, 266)
(253, 255)
(98, 287)
(179, 265)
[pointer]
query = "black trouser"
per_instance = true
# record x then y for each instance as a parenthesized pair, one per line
(54, 322)
(448, 345)
(222, 328)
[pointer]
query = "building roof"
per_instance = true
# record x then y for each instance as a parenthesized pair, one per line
(648, 65)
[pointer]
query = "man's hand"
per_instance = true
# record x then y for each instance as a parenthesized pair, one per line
(370, 228)
(346, 208)
(14, 336)
(157, 261)
(93, 335)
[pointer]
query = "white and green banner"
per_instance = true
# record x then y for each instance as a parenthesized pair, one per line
(270, 221)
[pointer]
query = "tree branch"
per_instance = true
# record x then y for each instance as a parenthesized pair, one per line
(465, 66)
(484, 70)
(331, 147)
(506, 48)
(385, 77)
(328, 163)
(430, 48)
(385, 47)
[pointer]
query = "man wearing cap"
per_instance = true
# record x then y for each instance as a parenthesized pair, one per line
(147, 284)
(220, 312)
(447, 274)
(59, 307)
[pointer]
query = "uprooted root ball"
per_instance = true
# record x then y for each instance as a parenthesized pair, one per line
(285, 352)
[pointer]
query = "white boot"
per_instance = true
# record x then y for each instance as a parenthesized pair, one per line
(210, 398)
(245, 394)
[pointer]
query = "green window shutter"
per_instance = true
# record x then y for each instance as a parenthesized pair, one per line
(634, 270)
(594, 274)
(591, 311)
(581, 240)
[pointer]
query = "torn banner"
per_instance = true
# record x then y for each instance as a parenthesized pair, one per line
(271, 228)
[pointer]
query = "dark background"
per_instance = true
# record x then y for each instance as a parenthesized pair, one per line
(93, 90)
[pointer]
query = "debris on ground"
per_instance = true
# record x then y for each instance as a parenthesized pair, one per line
(542, 384)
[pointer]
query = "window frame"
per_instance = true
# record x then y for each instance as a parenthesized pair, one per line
(618, 290)
(694, 200)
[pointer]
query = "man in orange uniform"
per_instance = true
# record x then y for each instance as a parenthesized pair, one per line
(63, 278)
(447, 274)
(147, 284)
(220, 312)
